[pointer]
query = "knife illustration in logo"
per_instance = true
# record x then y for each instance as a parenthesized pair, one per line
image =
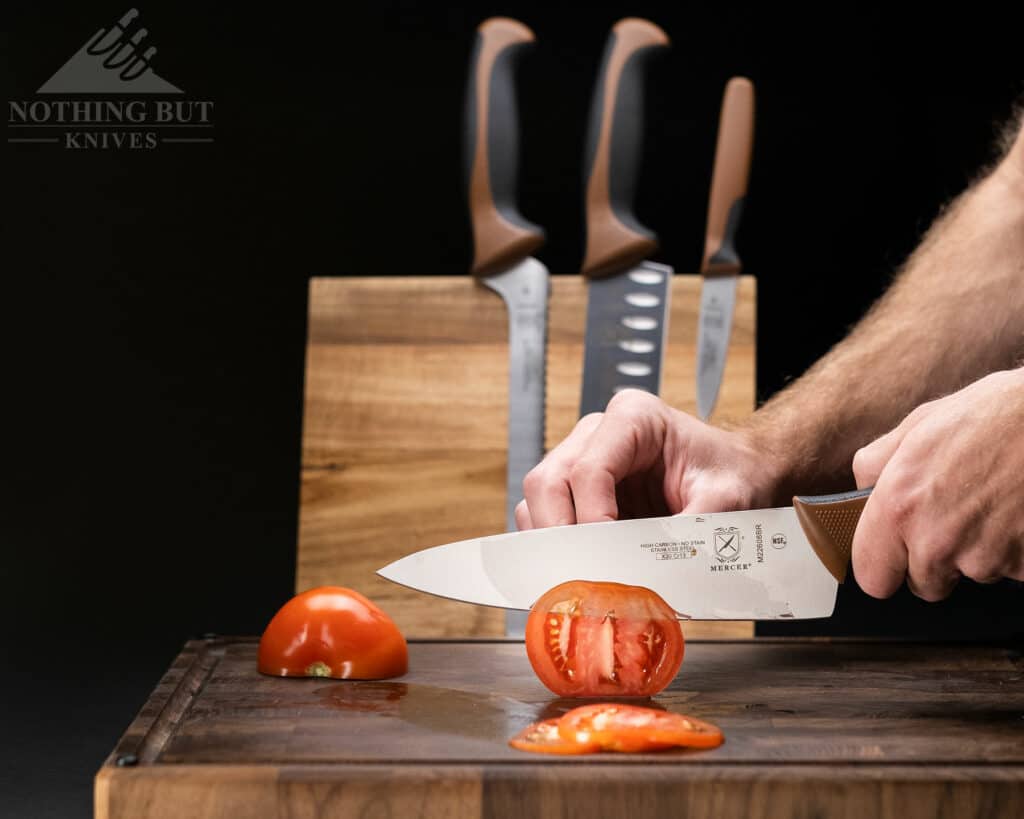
(727, 544)
(113, 61)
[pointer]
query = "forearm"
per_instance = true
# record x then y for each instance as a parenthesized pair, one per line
(955, 313)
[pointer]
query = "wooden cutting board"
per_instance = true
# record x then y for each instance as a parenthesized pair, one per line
(405, 424)
(813, 728)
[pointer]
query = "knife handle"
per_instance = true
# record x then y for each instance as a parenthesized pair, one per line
(729, 178)
(615, 239)
(829, 522)
(501, 236)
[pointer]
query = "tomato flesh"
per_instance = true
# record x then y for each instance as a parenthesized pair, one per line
(631, 729)
(544, 738)
(335, 632)
(597, 639)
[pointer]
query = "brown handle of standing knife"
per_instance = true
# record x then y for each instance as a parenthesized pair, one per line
(501, 236)
(729, 178)
(829, 522)
(615, 240)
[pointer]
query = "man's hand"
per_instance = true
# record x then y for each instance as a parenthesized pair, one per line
(641, 458)
(949, 493)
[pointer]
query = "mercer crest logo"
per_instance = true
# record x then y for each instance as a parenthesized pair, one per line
(115, 98)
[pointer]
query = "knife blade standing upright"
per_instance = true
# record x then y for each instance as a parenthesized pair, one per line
(627, 298)
(502, 243)
(721, 265)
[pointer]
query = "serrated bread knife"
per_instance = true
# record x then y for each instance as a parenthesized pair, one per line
(503, 242)
(763, 564)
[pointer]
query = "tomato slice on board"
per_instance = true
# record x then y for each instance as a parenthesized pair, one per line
(597, 639)
(331, 631)
(630, 728)
(544, 738)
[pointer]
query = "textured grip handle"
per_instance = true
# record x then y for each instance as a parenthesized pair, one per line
(829, 522)
(729, 178)
(501, 236)
(615, 240)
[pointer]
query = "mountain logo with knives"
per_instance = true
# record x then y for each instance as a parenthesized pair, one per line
(727, 544)
(111, 62)
(107, 96)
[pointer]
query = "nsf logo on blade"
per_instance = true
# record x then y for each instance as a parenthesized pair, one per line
(727, 544)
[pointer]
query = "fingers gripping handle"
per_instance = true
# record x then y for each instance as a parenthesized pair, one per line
(729, 178)
(501, 236)
(615, 239)
(829, 522)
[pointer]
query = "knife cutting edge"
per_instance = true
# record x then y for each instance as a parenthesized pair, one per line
(627, 297)
(762, 564)
(721, 265)
(503, 242)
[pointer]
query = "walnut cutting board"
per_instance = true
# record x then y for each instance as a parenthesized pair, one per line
(821, 728)
(405, 420)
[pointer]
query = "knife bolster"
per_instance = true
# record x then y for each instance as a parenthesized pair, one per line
(829, 522)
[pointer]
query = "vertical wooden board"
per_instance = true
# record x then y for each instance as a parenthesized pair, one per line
(405, 424)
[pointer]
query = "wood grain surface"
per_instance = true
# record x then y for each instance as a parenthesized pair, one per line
(405, 424)
(813, 728)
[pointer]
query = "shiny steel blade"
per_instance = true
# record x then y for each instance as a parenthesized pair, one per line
(717, 299)
(755, 565)
(627, 319)
(524, 289)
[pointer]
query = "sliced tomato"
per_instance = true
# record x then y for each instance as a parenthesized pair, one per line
(333, 632)
(630, 728)
(544, 738)
(596, 639)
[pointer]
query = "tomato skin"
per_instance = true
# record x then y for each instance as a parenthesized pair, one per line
(545, 738)
(332, 631)
(631, 729)
(598, 639)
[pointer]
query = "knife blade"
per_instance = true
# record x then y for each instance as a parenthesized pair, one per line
(763, 564)
(502, 243)
(721, 265)
(627, 297)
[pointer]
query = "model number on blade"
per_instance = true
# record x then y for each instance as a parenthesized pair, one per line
(673, 549)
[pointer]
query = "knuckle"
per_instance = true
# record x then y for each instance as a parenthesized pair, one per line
(536, 480)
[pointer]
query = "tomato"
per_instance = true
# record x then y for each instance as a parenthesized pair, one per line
(593, 639)
(544, 738)
(629, 728)
(332, 632)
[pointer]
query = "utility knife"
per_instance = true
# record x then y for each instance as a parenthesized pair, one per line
(721, 265)
(503, 242)
(762, 564)
(627, 296)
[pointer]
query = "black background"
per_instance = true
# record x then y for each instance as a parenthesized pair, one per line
(154, 301)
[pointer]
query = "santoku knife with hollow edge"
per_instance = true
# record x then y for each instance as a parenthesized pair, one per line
(721, 265)
(503, 241)
(627, 297)
(763, 564)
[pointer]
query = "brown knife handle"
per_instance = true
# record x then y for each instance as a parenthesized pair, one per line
(501, 236)
(615, 239)
(729, 178)
(829, 522)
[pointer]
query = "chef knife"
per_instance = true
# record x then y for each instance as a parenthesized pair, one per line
(721, 265)
(502, 243)
(627, 298)
(763, 564)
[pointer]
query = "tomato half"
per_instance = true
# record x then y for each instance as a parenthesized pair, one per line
(595, 639)
(544, 738)
(629, 728)
(333, 632)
